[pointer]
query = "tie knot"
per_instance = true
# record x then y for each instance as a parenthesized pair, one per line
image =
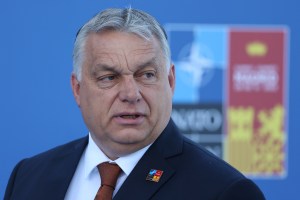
(109, 174)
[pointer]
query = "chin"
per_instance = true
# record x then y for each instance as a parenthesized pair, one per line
(130, 137)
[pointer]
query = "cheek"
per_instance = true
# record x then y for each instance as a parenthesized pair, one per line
(159, 99)
(94, 111)
(90, 99)
(165, 98)
(103, 103)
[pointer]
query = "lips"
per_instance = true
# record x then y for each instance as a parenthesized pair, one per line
(127, 118)
(129, 114)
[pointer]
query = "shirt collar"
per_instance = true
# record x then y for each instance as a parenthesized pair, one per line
(93, 156)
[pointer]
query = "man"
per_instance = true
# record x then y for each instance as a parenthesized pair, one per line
(123, 82)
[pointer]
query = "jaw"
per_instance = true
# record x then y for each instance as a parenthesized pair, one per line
(124, 141)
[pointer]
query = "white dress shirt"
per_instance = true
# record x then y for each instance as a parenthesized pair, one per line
(86, 180)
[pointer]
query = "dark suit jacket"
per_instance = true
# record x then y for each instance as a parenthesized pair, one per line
(189, 172)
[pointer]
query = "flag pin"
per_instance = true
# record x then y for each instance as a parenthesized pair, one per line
(154, 175)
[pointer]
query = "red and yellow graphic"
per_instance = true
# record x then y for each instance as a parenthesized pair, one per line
(256, 140)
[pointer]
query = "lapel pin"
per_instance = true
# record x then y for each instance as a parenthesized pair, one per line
(154, 175)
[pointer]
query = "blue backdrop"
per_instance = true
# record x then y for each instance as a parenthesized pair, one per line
(38, 110)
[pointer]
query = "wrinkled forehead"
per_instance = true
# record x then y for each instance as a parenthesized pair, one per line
(145, 37)
(114, 48)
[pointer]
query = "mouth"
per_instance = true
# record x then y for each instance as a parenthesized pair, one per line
(129, 118)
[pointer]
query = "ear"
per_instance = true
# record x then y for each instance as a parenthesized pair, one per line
(75, 88)
(171, 77)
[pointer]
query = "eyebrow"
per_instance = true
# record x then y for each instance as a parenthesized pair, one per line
(153, 62)
(104, 67)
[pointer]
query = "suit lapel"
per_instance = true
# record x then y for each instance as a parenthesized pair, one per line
(61, 171)
(136, 186)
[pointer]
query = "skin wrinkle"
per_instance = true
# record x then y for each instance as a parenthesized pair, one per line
(147, 49)
(118, 70)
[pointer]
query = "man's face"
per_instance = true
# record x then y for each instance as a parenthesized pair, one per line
(125, 94)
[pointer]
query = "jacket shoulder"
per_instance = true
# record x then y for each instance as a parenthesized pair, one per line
(32, 176)
(203, 158)
(47, 158)
(208, 176)
(61, 150)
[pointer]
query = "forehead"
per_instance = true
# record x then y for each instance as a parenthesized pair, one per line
(121, 43)
(121, 50)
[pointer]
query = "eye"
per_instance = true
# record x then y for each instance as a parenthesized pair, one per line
(107, 81)
(107, 78)
(147, 77)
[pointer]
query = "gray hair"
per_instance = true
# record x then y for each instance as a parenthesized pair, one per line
(124, 20)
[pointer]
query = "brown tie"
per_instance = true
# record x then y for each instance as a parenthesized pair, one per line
(109, 174)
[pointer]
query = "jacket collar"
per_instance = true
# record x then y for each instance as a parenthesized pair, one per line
(167, 145)
(63, 168)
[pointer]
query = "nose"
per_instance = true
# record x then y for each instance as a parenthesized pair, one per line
(129, 91)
